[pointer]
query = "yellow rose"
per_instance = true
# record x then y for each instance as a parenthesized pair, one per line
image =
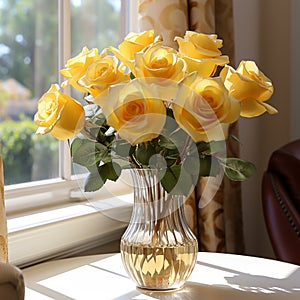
(59, 114)
(135, 111)
(202, 106)
(132, 43)
(102, 73)
(160, 64)
(77, 66)
(135, 42)
(249, 86)
(201, 52)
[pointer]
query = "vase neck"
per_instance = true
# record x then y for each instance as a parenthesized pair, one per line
(150, 198)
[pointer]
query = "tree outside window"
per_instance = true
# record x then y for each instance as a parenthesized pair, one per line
(28, 66)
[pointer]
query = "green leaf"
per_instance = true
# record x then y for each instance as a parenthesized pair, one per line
(184, 184)
(123, 148)
(101, 137)
(89, 152)
(97, 178)
(157, 162)
(92, 168)
(211, 147)
(237, 169)
(93, 182)
(132, 75)
(110, 171)
(192, 165)
(170, 178)
(202, 147)
(109, 139)
(166, 143)
(235, 138)
(100, 119)
(144, 152)
(123, 163)
(75, 145)
(179, 138)
(209, 166)
(217, 146)
(177, 181)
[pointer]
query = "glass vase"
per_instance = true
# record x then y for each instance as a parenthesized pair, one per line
(158, 249)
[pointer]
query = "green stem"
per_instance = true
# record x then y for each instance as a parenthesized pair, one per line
(134, 161)
(183, 151)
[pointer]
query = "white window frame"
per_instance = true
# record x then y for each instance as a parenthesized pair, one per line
(64, 53)
(53, 218)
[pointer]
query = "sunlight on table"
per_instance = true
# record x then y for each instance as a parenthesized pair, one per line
(216, 276)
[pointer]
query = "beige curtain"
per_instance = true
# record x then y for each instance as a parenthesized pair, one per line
(215, 216)
(3, 227)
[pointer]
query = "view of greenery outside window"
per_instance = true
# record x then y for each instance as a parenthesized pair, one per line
(29, 65)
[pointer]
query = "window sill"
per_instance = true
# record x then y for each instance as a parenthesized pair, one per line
(55, 219)
(66, 230)
(28, 197)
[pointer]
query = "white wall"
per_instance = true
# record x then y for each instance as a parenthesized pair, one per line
(265, 31)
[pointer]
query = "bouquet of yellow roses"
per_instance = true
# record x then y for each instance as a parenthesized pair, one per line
(148, 105)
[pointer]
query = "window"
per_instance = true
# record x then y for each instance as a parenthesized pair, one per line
(37, 37)
(29, 63)
(28, 34)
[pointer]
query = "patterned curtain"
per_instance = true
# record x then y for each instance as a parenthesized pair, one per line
(3, 227)
(214, 209)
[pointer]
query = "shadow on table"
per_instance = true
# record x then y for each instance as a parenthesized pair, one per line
(239, 286)
(261, 284)
(236, 285)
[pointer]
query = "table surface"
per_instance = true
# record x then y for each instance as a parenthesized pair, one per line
(216, 276)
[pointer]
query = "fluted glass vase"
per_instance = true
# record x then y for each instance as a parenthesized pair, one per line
(158, 249)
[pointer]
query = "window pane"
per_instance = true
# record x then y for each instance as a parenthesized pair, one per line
(95, 24)
(98, 29)
(28, 65)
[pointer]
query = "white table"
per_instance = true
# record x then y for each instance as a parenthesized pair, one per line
(215, 277)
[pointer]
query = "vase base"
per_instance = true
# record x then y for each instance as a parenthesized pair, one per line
(159, 290)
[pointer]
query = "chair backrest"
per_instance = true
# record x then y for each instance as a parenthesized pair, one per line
(281, 202)
(11, 282)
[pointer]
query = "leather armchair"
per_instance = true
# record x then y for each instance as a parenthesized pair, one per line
(281, 202)
(11, 282)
